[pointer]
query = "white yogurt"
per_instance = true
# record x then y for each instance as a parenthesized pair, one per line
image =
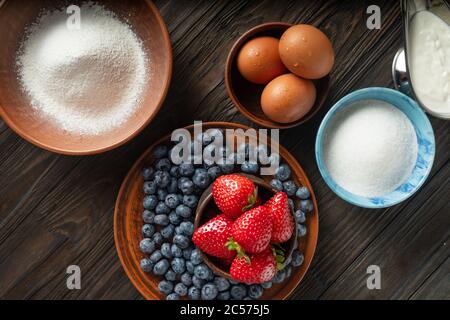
(429, 61)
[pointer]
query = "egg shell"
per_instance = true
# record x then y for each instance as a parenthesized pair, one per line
(259, 60)
(288, 98)
(306, 51)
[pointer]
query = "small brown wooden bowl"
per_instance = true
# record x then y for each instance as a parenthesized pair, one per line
(207, 209)
(15, 108)
(246, 96)
(128, 223)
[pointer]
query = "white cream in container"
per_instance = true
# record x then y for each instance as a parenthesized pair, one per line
(429, 62)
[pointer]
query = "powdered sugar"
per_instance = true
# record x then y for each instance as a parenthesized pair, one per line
(88, 80)
(370, 148)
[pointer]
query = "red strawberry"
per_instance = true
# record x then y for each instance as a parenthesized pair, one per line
(252, 231)
(283, 220)
(260, 268)
(212, 237)
(234, 194)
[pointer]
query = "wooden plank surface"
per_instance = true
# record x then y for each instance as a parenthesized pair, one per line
(57, 210)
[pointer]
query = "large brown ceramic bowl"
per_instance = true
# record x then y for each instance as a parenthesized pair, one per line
(207, 209)
(246, 96)
(128, 224)
(15, 108)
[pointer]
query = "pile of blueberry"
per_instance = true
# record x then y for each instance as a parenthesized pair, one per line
(171, 196)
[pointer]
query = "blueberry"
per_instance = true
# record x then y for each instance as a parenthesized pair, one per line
(183, 211)
(190, 267)
(209, 291)
(196, 257)
(177, 230)
(180, 197)
(148, 230)
(165, 250)
(187, 228)
(186, 279)
(247, 298)
(274, 159)
(167, 232)
(214, 172)
(190, 200)
(146, 265)
(297, 258)
(147, 246)
(148, 216)
(174, 218)
(175, 171)
(301, 230)
(194, 293)
(162, 219)
(160, 151)
(303, 193)
(289, 187)
(266, 285)
(163, 164)
(291, 204)
(201, 178)
(186, 169)
(181, 289)
(197, 282)
(255, 291)
(181, 241)
(165, 287)
(173, 296)
(185, 185)
(226, 168)
(161, 267)
(245, 149)
(149, 187)
(250, 167)
(280, 276)
(283, 172)
(162, 209)
(187, 253)
(156, 256)
(172, 186)
(148, 173)
(178, 265)
(306, 206)
(202, 271)
(276, 184)
(162, 179)
(222, 284)
(238, 291)
(176, 251)
(161, 194)
(170, 275)
(171, 201)
(299, 216)
(224, 295)
(150, 202)
(158, 238)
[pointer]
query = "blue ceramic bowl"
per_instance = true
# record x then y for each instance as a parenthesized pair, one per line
(425, 139)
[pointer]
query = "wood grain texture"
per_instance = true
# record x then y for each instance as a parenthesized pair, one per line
(58, 210)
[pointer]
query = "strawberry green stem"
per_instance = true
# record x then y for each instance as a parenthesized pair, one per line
(233, 245)
(251, 200)
(279, 255)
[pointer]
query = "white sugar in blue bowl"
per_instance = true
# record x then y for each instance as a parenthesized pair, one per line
(425, 146)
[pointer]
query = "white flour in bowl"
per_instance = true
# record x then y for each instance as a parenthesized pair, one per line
(88, 80)
(370, 148)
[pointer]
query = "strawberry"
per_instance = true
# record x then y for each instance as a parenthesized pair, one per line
(259, 268)
(251, 232)
(283, 220)
(213, 235)
(234, 194)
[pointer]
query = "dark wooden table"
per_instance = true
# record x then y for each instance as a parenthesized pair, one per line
(58, 210)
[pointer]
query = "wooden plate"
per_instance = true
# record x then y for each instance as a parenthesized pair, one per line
(15, 108)
(128, 223)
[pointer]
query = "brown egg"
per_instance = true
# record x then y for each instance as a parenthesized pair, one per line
(259, 60)
(288, 98)
(306, 51)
